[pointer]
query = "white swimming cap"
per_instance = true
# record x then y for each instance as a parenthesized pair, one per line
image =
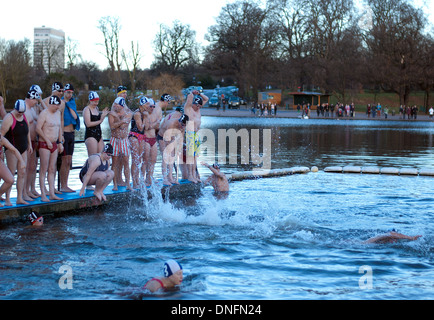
(171, 267)
(20, 106)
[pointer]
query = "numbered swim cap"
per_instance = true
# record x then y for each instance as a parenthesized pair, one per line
(33, 95)
(198, 100)
(120, 101)
(55, 100)
(69, 87)
(144, 101)
(166, 97)
(56, 86)
(121, 89)
(184, 118)
(20, 106)
(93, 96)
(36, 88)
(171, 267)
(34, 216)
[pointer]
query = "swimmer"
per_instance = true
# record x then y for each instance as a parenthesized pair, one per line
(218, 179)
(391, 237)
(36, 219)
(172, 277)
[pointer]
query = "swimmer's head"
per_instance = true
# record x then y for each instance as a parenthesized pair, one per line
(55, 100)
(179, 109)
(183, 120)
(20, 106)
(36, 219)
(120, 101)
(36, 88)
(33, 95)
(93, 96)
(108, 149)
(198, 100)
(166, 97)
(57, 86)
(216, 166)
(121, 89)
(69, 87)
(171, 267)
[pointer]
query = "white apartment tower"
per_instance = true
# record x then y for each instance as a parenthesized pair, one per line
(49, 49)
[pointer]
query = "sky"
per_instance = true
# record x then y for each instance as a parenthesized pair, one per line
(139, 21)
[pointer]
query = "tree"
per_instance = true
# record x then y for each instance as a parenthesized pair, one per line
(175, 47)
(15, 68)
(167, 83)
(394, 46)
(110, 28)
(134, 57)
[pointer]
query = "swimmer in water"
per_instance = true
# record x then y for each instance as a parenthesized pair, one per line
(218, 179)
(36, 219)
(172, 277)
(391, 237)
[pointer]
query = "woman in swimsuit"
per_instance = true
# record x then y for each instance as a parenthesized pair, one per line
(92, 120)
(137, 141)
(5, 173)
(150, 151)
(172, 277)
(96, 171)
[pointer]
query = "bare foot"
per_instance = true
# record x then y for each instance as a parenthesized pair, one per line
(21, 201)
(54, 197)
(67, 190)
(103, 197)
(98, 195)
(167, 183)
(44, 199)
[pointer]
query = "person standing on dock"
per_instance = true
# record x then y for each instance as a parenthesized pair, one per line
(150, 150)
(96, 171)
(119, 121)
(5, 173)
(93, 119)
(16, 129)
(71, 122)
(49, 129)
(195, 100)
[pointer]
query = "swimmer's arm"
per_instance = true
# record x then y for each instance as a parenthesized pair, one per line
(189, 101)
(153, 286)
(93, 164)
(9, 146)
(3, 112)
(114, 121)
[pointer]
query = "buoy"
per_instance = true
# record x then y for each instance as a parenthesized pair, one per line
(409, 171)
(426, 172)
(333, 169)
(314, 169)
(389, 171)
(371, 170)
(352, 169)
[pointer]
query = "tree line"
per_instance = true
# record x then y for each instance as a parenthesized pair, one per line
(328, 45)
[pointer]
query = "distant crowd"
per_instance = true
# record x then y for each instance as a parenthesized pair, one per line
(42, 131)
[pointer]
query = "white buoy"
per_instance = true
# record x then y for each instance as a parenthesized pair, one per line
(314, 169)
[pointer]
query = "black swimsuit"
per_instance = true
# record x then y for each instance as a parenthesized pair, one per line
(102, 167)
(94, 132)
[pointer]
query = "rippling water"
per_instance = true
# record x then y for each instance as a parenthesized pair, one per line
(293, 237)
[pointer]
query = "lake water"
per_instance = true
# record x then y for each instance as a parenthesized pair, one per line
(292, 237)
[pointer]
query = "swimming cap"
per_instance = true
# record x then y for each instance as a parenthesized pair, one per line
(179, 109)
(93, 96)
(198, 100)
(33, 95)
(216, 166)
(55, 100)
(69, 87)
(120, 101)
(121, 89)
(108, 148)
(184, 118)
(166, 97)
(151, 101)
(33, 216)
(36, 88)
(56, 86)
(20, 106)
(143, 101)
(171, 267)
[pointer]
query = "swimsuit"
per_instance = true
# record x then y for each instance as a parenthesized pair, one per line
(17, 134)
(135, 132)
(154, 279)
(102, 167)
(120, 146)
(192, 143)
(43, 145)
(68, 144)
(151, 141)
(94, 132)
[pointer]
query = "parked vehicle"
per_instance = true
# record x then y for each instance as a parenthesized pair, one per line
(234, 102)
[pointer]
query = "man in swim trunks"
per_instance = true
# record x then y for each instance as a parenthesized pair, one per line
(119, 121)
(195, 100)
(71, 122)
(15, 129)
(57, 90)
(171, 131)
(173, 276)
(217, 180)
(49, 129)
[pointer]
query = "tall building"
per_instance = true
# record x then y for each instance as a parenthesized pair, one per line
(49, 49)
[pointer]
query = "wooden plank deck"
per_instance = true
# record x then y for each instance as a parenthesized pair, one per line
(73, 203)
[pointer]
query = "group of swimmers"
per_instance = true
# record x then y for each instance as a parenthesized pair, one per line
(47, 127)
